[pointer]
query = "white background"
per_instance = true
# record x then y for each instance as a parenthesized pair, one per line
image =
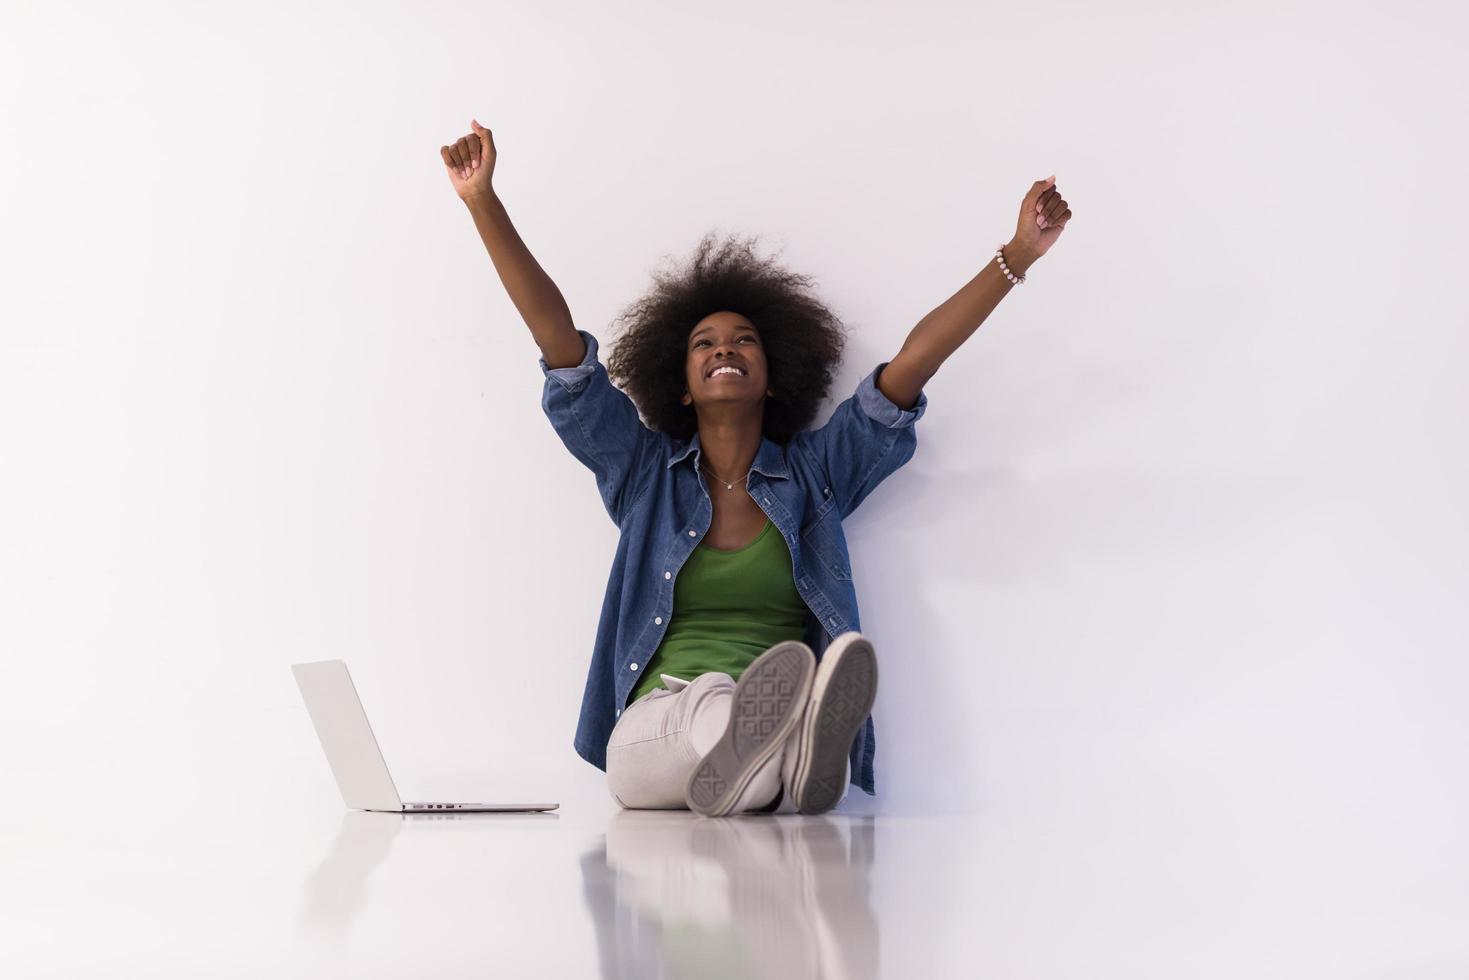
(1182, 548)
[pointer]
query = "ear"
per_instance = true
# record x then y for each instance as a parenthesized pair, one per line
(687, 399)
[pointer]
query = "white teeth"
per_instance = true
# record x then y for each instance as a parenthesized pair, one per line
(721, 370)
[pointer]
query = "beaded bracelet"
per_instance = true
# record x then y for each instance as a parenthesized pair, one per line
(1000, 258)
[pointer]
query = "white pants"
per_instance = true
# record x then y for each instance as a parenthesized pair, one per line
(660, 738)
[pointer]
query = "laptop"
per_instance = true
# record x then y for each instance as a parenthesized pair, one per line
(352, 750)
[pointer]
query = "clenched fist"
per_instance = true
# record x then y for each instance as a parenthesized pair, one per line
(1044, 214)
(470, 161)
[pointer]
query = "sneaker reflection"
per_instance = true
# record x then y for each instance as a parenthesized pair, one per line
(748, 896)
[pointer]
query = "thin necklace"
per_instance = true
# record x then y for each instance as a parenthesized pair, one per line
(727, 486)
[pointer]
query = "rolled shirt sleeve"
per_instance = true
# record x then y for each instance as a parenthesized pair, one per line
(866, 440)
(601, 427)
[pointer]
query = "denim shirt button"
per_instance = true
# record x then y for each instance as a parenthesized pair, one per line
(658, 620)
(691, 534)
(633, 667)
(668, 575)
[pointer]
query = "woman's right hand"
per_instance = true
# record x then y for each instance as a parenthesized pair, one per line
(470, 161)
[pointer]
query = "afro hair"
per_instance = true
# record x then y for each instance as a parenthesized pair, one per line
(802, 338)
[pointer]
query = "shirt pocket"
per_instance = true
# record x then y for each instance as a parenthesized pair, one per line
(821, 538)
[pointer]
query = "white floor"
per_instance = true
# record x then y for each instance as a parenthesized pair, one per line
(1129, 884)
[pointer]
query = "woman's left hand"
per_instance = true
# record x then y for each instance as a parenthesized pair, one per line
(1043, 216)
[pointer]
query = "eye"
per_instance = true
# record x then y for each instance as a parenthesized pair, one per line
(701, 340)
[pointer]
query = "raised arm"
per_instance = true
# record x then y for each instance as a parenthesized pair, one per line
(470, 162)
(1043, 216)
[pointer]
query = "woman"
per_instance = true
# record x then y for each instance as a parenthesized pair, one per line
(729, 673)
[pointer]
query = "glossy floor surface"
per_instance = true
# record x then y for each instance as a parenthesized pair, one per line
(1122, 886)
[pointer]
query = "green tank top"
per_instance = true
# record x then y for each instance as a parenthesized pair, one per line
(728, 608)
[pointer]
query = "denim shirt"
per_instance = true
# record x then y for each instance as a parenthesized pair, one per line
(651, 488)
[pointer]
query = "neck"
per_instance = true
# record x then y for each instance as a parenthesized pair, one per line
(729, 449)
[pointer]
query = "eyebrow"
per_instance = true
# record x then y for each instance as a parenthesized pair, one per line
(703, 329)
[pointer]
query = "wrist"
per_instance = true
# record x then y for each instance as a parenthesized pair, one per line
(477, 199)
(1018, 257)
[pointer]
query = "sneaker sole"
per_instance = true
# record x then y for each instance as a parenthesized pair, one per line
(842, 698)
(767, 704)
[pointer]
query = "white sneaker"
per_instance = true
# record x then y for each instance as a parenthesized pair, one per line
(768, 700)
(842, 695)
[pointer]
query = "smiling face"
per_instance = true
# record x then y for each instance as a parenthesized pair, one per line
(725, 339)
